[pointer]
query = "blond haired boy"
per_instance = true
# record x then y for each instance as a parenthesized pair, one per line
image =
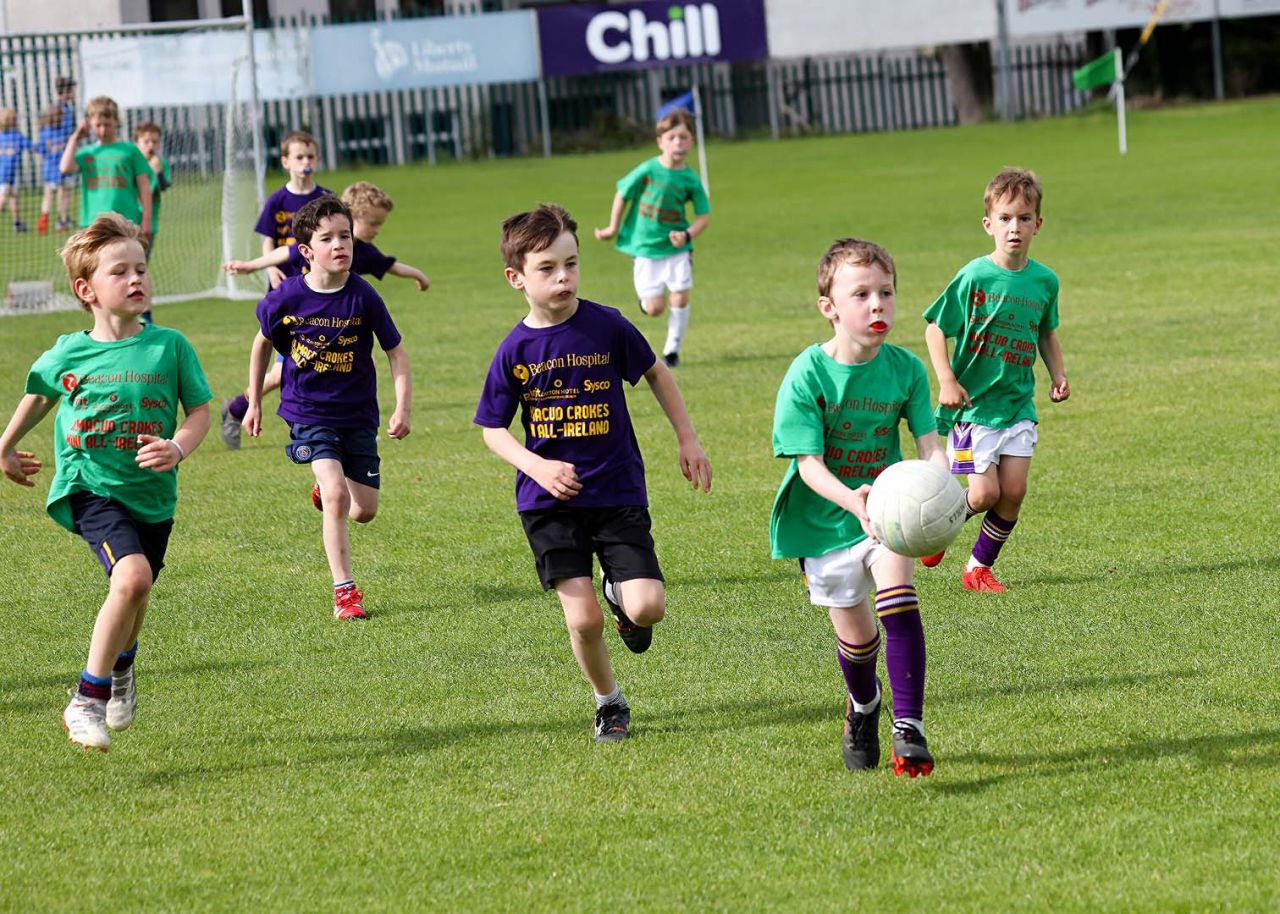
(1000, 308)
(118, 444)
(656, 231)
(114, 174)
(836, 422)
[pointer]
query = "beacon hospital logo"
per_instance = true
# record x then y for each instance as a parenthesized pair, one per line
(691, 30)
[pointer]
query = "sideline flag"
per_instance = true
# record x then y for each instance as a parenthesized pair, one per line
(690, 101)
(1106, 70)
(1100, 72)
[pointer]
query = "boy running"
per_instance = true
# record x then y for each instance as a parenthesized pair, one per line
(836, 421)
(656, 232)
(118, 445)
(999, 309)
(325, 323)
(580, 487)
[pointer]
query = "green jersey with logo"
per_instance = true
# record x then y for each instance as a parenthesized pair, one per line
(658, 196)
(111, 393)
(849, 414)
(109, 180)
(996, 317)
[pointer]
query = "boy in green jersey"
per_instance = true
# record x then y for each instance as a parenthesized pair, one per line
(118, 444)
(999, 309)
(836, 422)
(115, 176)
(656, 232)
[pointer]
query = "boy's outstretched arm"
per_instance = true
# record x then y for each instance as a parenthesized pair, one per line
(950, 394)
(275, 258)
(143, 184)
(1051, 352)
(402, 380)
(818, 477)
(615, 218)
(408, 272)
(558, 478)
(162, 454)
(693, 459)
(696, 227)
(275, 275)
(929, 447)
(259, 360)
(19, 466)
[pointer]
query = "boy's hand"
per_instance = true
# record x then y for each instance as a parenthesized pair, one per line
(695, 466)
(952, 396)
(398, 427)
(678, 238)
(560, 479)
(20, 466)
(275, 276)
(604, 234)
(82, 129)
(252, 421)
(236, 267)
(159, 454)
(1060, 389)
(858, 508)
(421, 279)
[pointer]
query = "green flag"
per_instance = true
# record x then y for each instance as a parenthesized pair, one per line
(1100, 72)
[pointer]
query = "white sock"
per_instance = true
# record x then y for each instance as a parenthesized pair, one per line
(917, 725)
(870, 706)
(613, 698)
(610, 593)
(677, 326)
(972, 564)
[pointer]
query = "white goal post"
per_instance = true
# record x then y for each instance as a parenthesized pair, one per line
(196, 81)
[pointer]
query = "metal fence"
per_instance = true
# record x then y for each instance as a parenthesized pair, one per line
(841, 94)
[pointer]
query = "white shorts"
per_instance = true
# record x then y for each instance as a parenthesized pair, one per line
(6, 189)
(842, 578)
(653, 275)
(973, 448)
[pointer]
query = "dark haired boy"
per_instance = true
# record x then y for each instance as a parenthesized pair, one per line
(324, 324)
(580, 486)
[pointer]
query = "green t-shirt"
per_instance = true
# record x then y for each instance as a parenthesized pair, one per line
(113, 392)
(109, 180)
(658, 196)
(996, 317)
(850, 414)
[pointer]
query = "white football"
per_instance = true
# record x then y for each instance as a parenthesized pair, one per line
(916, 508)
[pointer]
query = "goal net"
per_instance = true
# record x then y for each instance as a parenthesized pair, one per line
(197, 87)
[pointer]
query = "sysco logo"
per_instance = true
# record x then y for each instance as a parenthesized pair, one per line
(692, 30)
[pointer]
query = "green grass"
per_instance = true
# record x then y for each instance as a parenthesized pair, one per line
(1107, 734)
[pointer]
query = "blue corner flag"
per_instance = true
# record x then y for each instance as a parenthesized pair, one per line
(685, 101)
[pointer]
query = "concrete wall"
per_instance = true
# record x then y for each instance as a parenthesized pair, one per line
(801, 28)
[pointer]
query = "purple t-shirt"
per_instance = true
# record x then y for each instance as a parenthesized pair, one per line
(366, 260)
(326, 339)
(276, 221)
(566, 381)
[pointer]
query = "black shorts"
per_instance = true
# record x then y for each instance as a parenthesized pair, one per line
(355, 448)
(112, 532)
(564, 540)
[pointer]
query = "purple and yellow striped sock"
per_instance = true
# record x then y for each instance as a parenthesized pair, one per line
(995, 530)
(858, 664)
(899, 611)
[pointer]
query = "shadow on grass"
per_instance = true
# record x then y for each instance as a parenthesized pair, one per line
(1021, 688)
(1160, 571)
(1226, 750)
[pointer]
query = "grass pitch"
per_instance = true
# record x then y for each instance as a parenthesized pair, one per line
(1107, 734)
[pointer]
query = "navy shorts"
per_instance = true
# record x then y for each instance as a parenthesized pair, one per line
(564, 540)
(355, 448)
(112, 532)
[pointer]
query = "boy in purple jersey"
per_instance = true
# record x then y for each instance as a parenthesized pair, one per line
(580, 485)
(324, 323)
(836, 422)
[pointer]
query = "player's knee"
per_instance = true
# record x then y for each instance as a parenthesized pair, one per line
(336, 498)
(362, 514)
(586, 627)
(131, 580)
(983, 500)
(655, 306)
(644, 601)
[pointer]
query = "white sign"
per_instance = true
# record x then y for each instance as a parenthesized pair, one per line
(801, 28)
(1041, 17)
(194, 68)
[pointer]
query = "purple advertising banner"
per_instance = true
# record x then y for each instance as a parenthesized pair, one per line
(628, 36)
